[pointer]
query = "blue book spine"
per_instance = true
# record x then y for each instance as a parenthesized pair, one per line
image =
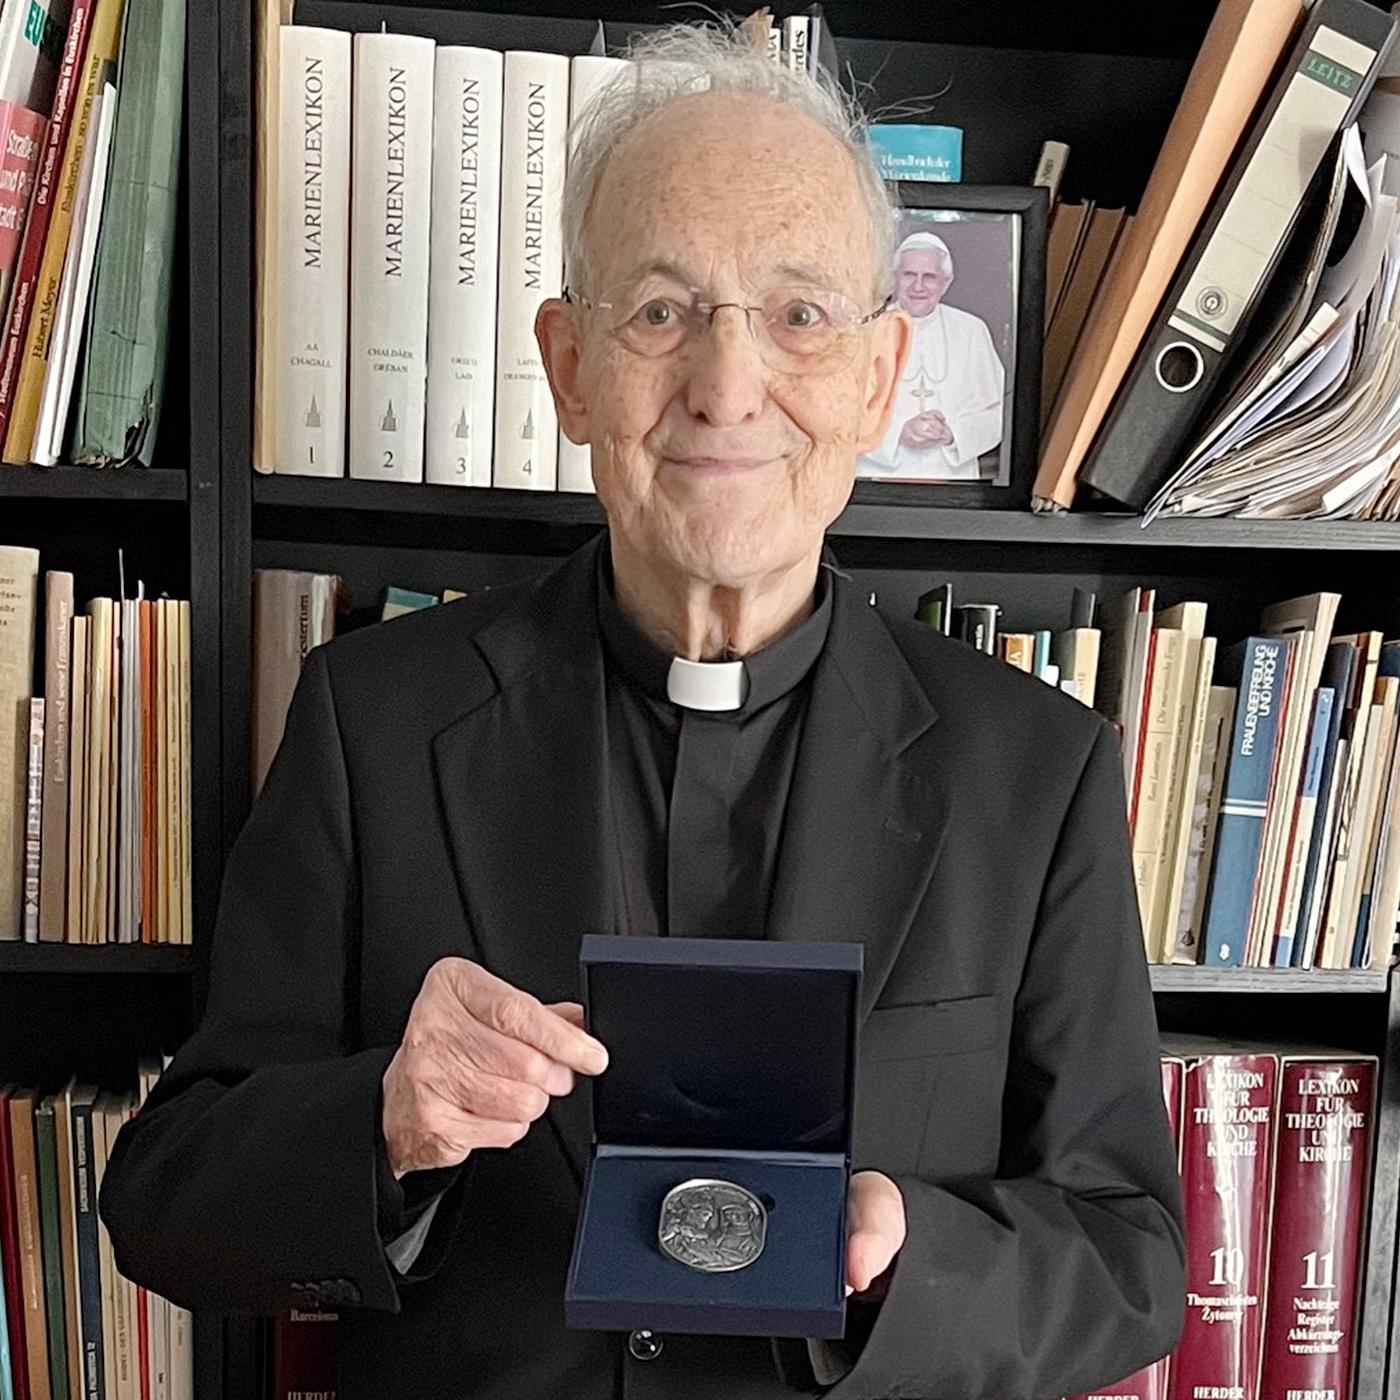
(1337, 674)
(7, 1389)
(1042, 652)
(1245, 801)
(1312, 785)
(917, 152)
(89, 1263)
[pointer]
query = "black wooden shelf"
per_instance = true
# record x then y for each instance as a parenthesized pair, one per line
(1254, 980)
(95, 483)
(317, 501)
(106, 958)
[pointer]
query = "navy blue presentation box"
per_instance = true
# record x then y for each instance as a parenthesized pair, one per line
(731, 1059)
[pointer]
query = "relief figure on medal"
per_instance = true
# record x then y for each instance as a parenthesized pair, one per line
(713, 1226)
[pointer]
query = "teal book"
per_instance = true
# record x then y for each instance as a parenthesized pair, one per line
(398, 601)
(129, 319)
(46, 1153)
(917, 152)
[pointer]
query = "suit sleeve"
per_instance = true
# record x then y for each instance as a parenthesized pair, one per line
(248, 1180)
(1066, 1271)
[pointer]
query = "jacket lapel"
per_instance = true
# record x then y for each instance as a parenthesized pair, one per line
(866, 816)
(521, 779)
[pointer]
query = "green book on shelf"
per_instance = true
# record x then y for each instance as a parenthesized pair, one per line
(46, 1153)
(129, 326)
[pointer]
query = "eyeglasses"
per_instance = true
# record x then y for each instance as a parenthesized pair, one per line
(800, 329)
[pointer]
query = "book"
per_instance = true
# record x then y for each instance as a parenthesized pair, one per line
(33, 819)
(89, 1273)
(1228, 1120)
(70, 320)
(1204, 822)
(31, 52)
(292, 612)
(23, 1182)
(77, 781)
(588, 73)
(1232, 70)
(398, 601)
(976, 624)
(118, 413)
(914, 151)
(53, 864)
(19, 584)
(1068, 225)
(391, 208)
(1326, 1131)
(310, 329)
(465, 234)
(1304, 818)
(46, 1156)
(305, 1354)
(1050, 167)
(99, 68)
(1261, 666)
(935, 608)
(535, 111)
(15, 324)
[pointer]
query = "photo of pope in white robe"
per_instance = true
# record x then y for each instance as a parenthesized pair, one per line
(951, 407)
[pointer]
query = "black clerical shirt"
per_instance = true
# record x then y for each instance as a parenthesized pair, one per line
(696, 801)
(697, 797)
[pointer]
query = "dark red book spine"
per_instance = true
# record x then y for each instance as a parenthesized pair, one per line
(1150, 1383)
(9, 1254)
(1325, 1132)
(305, 1356)
(1226, 1175)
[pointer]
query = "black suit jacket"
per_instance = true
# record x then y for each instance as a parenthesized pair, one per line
(437, 792)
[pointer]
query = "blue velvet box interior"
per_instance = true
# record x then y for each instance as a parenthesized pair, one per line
(732, 1059)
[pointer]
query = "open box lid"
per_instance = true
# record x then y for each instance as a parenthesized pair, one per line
(731, 1044)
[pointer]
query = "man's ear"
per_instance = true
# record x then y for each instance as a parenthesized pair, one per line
(558, 332)
(892, 337)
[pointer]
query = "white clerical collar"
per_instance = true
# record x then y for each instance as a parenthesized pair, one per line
(706, 685)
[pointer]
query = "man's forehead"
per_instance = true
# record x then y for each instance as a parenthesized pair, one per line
(755, 268)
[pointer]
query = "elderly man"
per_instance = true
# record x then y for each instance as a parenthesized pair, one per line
(948, 407)
(696, 725)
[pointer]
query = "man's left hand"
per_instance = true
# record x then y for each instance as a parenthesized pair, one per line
(875, 1229)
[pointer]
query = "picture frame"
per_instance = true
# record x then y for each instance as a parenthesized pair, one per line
(945, 444)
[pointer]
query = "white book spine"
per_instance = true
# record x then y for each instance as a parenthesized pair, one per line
(535, 114)
(33, 820)
(465, 258)
(391, 209)
(313, 252)
(796, 32)
(588, 73)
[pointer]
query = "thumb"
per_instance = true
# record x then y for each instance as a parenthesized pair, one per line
(571, 1011)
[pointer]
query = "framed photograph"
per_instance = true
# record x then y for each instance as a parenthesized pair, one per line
(969, 268)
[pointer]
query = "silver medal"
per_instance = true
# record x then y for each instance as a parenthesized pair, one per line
(713, 1226)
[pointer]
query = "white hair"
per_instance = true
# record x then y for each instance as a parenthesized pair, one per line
(679, 59)
(923, 239)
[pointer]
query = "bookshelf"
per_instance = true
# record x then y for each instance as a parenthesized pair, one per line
(199, 523)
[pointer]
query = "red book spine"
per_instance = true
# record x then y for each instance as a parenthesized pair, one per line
(1326, 1114)
(9, 1256)
(36, 227)
(305, 1356)
(1150, 1383)
(143, 1339)
(1226, 1175)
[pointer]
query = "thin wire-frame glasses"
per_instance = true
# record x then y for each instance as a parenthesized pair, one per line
(799, 329)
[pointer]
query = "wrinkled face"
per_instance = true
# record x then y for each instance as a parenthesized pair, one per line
(920, 280)
(706, 458)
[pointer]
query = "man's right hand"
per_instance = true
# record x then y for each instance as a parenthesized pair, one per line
(478, 1063)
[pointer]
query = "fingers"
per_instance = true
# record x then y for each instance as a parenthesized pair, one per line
(571, 1011)
(519, 1016)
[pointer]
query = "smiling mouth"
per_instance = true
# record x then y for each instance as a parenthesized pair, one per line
(718, 466)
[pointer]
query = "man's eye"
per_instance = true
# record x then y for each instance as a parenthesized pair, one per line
(801, 315)
(657, 314)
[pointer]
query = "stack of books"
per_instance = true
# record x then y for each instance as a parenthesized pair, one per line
(1262, 779)
(400, 275)
(95, 772)
(70, 1323)
(87, 87)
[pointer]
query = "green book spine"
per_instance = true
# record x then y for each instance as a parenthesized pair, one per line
(46, 1142)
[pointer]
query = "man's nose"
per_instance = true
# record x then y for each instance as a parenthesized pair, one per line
(728, 380)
